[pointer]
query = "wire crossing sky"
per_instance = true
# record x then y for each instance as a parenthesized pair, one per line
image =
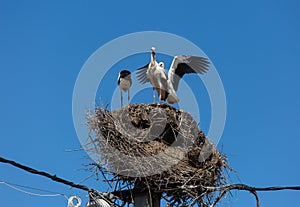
(254, 45)
(224, 189)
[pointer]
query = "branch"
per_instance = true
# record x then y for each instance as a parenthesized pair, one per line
(45, 174)
(240, 187)
(222, 193)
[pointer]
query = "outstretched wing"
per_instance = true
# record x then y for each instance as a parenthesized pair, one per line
(141, 74)
(186, 64)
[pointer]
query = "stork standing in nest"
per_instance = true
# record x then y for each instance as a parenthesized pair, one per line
(124, 83)
(167, 85)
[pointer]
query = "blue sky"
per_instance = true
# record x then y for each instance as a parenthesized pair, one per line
(253, 44)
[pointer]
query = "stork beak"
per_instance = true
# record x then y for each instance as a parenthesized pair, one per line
(153, 55)
(153, 50)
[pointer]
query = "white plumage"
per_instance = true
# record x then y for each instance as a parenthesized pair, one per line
(166, 86)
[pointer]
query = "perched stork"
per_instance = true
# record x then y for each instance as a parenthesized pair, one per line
(166, 86)
(154, 73)
(124, 82)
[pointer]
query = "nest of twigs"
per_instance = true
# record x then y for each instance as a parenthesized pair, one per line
(156, 147)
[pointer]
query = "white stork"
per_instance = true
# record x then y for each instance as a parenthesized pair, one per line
(124, 83)
(166, 86)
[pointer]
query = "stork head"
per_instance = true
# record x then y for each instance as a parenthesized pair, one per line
(152, 55)
(153, 51)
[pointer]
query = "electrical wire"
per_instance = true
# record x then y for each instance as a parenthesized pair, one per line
(14, 186)
(45, 174)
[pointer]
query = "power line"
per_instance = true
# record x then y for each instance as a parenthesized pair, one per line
(14, 186)
(45, 174)
(222, 189)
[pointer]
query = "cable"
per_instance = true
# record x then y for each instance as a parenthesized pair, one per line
(33, 188)
(13, 186)
(54, 194)
(45, 174)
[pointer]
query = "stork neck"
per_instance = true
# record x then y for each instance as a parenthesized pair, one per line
(153, 59)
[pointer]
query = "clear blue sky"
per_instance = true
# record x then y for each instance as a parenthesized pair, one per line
(253, 44)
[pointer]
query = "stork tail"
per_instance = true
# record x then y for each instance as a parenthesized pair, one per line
(173, 98)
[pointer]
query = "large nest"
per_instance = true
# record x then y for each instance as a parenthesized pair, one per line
(156, 147)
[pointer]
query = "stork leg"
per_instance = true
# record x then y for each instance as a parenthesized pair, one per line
(121, 98)
(128, 96)
(153, 95)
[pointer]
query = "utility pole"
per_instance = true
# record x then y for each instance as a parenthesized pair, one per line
(147, 200)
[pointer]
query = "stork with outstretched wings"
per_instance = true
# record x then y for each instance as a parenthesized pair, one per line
(167, 85)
